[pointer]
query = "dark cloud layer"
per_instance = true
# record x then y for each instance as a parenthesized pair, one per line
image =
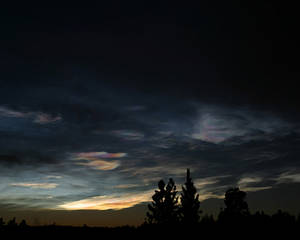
(101, 151)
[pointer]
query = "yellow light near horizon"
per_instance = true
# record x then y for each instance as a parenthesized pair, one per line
(109, 202)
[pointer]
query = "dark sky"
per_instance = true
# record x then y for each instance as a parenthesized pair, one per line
(99, 102)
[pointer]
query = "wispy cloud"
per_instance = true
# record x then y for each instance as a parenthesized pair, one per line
(135, 108)
(53, 176)
(128, 134)
(115, 202)
(38, 117)
(218, 125)
(203, 182)
(44, 118)
(101, 164)
(6, 112)
(262, 156)
(288, 177)
(154, 171)
(95, 159)
(127, 186)
(96, 155)
(249, 184)
(246, 180)
(255, 189)
(207, 195)
(35, 185)
(214, 128)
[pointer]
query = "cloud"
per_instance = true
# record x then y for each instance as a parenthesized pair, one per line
(255, 189)
(6, 112)
(126, 186)
(35, 185)
(128, 134)
(96, 155)
(203, 182)
(246, 180)
(247, 184)
(166, 149)
(38, 117)
(161, 170)
(288, 177)
(262, 156)
(101, 164)
(135, 108)
(115, 202)
(53, 176)
(207, 195)
(95, 161)
(214, 128)
(44, 118)
(217, 125)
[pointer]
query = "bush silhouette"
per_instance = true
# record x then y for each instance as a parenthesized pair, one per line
(236, 206)
(23, 224)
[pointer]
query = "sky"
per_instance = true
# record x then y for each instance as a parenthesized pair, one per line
(98, 103)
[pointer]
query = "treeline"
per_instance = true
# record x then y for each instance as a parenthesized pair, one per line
(181, 215)
(169, 209)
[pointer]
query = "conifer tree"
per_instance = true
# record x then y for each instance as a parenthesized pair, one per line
(164, 207)
(190, 204)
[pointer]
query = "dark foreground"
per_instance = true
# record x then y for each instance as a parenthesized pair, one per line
(262, 230)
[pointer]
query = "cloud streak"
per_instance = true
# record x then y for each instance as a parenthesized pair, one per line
(288, 177)
(250, 184)
(95, 160)
(96, 155)
(35, 185)
(37, 117)
(101, 164)
(44, 118)
(6, 112)
(204, 182)
(127, 186)
(128, 135)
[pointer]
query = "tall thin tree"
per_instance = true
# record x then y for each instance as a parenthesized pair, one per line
(190, 204)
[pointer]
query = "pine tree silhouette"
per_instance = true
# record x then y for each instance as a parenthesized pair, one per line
(190, 204)
(164, 208)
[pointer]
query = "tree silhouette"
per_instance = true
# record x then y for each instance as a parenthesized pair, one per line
(164, 208)
(236, 206)
(2, 223)
(23, 224)
(12, 223)
(190, 204)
